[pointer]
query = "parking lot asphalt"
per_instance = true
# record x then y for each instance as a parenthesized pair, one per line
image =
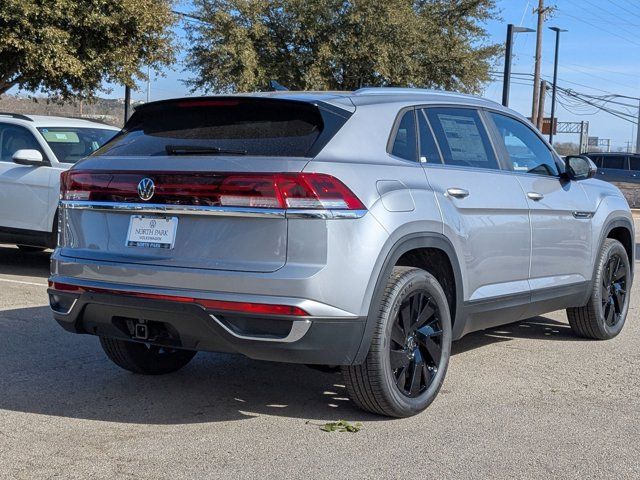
(528, 400)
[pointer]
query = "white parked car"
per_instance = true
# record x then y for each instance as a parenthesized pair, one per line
(34, 150)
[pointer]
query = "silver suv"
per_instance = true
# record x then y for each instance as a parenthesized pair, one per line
(365, 230)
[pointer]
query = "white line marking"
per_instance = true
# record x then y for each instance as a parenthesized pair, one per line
(22, 282)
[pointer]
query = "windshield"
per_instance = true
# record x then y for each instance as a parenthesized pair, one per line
(71, 144)
(227, 125)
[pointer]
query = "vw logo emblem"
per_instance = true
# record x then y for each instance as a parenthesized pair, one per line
(146, 189)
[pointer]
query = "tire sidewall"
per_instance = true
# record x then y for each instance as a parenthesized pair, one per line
(613, 247)
(413, 281)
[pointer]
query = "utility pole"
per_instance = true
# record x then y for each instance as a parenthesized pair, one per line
(543, 91)
(541, 11)
(584, 137)
(638, 132)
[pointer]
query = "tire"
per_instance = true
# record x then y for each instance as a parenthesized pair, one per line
(145, 359)
(30, 249)
(604, 314)
(385, 389)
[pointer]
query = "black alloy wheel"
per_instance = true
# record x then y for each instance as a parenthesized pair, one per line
(614, 289)
(605, 312)
(416, 344)
(409, 353)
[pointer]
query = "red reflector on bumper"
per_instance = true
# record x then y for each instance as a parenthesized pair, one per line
(241, 307)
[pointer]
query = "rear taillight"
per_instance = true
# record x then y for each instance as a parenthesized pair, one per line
(255, 190)
(214, 305)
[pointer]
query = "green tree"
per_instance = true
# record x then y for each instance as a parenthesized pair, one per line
(239, 45)
(70, 47)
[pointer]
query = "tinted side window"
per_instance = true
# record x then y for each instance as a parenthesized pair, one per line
(527, 153)
(14, 138)
(462, 138)
(614, 161)
(634, 162)
(597, 159)
(428, 149)
(404, 145)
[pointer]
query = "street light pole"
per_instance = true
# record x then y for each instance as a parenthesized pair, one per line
(555, 82)
(507, 66)
(506, 82)
(127, 103)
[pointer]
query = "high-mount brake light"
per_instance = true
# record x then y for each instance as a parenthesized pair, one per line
(208, 103)
(214, 305)
(310, 191)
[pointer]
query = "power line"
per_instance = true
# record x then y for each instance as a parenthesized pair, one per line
(583, 101)
(567, 81)
(597, 76)
(606, 70)
(599, 27)
(622, 7)
(604, 16)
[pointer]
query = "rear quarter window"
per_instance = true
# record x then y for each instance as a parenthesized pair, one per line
(404, 142)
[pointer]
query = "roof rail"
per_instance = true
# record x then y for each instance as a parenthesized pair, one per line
(16, 115)
(417, 91)
(387, 90)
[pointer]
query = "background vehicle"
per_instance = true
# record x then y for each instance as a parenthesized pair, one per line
(34, 150)
(621, 169)
(365, 229)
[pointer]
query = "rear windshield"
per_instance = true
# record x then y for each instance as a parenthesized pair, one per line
(70, 144)
(261, 127)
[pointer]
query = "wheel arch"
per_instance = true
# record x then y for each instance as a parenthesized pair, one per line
(407, 244)
(620, 229)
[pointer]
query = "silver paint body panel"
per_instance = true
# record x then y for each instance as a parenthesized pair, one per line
(506, 244)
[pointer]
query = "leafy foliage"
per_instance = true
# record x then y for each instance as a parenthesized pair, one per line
(69, 47)
(336, 44)
(341, 426)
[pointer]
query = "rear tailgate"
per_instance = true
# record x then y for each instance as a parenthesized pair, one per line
(204, 175)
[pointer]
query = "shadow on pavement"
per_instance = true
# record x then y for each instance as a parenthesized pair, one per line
(536, 328)
(15, 262)
(48, 371)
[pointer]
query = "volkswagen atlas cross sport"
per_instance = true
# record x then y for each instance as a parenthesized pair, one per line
(366, 230)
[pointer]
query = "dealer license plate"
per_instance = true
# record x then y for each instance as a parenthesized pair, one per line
(152, 232)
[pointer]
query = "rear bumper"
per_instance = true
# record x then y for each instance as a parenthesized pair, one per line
(292, 339)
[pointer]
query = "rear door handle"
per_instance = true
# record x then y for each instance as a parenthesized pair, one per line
(535, 196)
(457, 192)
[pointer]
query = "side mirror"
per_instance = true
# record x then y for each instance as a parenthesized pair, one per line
(29, 157)
(579, 167)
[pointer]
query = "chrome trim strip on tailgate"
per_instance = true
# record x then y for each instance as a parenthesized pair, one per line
(159, 208)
